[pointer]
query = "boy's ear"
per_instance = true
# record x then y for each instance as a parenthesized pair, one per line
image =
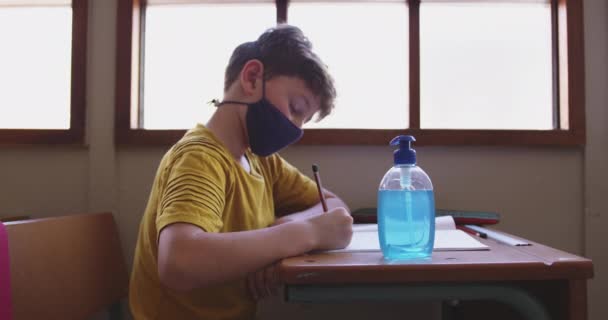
(251, 77)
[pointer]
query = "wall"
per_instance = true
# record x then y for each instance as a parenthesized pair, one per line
(551, 195)
(596, 152)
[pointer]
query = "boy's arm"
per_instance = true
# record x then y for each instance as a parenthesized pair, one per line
(332, 200)
(189, 257)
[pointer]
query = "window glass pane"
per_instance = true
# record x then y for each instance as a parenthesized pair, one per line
(187, 48)
(35, 67)
(365, 48)
(486, 66)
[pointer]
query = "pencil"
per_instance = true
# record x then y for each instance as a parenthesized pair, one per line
(473, 232)
(315, 171)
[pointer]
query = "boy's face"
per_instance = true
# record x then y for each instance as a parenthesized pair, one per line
(293, 98)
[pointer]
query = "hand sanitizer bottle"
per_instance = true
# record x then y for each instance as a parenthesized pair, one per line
(406, 207)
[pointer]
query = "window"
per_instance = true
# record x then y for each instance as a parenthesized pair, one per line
(506, 72)
(42, 79)
(370, 68)
(486, 66)
(185, 59)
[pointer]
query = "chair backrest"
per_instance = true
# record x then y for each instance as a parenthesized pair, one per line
(69, 267)
(6, 306)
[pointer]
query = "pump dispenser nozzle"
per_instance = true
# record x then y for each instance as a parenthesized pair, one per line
(405, 154)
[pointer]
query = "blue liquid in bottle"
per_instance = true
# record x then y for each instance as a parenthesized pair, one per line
(406, 223)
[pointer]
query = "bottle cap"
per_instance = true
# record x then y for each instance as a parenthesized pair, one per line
(405, 154)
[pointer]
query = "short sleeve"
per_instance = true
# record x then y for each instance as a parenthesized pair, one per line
(194, 192)
(292, 190)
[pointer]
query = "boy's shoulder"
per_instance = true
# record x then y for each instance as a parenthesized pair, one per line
(199, 142)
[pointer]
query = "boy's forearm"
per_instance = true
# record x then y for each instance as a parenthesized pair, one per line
(198, 258)
(331, 200)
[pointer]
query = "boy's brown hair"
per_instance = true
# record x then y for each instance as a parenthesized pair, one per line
(285, 51)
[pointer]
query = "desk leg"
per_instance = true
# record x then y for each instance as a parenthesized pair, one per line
(115, 311)
(450, 310)
(577, 300)
(526, 304)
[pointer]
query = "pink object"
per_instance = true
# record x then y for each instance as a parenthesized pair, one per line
(5, 277)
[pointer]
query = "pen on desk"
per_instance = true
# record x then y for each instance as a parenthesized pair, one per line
(315, 171)
(473, 232)
(500, 237)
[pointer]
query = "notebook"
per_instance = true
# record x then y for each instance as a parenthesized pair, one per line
(368, 215)
(447, 238)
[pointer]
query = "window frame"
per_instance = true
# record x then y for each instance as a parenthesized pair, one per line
(75, 134)
(568, 60)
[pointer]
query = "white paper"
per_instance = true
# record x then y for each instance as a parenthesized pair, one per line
(447, 238)
(445, 223)
(441, 223)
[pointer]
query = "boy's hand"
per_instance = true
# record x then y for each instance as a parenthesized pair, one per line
(263, 283)
(333, 229)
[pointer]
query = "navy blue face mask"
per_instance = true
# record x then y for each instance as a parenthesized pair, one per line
(269, 130)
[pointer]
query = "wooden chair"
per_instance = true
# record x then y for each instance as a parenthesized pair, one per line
(69, 267)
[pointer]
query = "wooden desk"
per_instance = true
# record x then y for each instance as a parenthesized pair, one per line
(537, 281)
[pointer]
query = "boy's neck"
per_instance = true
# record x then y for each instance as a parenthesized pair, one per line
(227, 125)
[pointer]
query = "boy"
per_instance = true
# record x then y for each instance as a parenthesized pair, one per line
(208, 238)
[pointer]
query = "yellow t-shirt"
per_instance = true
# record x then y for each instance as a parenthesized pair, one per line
(199, 182)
